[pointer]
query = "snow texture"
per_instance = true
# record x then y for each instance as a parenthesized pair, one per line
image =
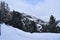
(39, 27)
(58, 24)
(10, 33)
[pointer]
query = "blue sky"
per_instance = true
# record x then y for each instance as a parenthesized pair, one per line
(39, 8)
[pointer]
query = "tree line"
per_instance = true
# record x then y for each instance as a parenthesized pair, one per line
(17, 20)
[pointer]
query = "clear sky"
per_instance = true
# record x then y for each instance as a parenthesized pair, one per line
(40, 8)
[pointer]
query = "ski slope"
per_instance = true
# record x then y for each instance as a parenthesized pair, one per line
(10, 33)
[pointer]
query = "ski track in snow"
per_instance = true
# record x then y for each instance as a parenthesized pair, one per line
(10, 33)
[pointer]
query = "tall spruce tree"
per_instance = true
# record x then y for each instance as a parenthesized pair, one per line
(52, 24)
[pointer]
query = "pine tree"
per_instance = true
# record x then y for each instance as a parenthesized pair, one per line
(4, 9)
(52, 24)
(33, 27)
(16, 20)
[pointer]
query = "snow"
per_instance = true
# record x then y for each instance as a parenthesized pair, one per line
(39, 27)
(10, 33)
(31, 19)
(58, 24)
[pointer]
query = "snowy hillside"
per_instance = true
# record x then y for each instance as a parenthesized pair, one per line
(10, 33)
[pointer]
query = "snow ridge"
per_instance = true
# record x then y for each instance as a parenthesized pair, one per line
(10, 33)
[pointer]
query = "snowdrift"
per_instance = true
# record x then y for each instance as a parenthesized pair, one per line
(10, 33)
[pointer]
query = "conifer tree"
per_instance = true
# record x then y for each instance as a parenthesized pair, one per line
(52, 24)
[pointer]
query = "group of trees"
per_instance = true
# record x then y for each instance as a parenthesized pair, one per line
(16, 19)
(52, 26)
(30, 26)
(4, 12)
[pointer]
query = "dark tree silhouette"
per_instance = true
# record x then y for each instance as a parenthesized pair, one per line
(4, 11)
(52, 24)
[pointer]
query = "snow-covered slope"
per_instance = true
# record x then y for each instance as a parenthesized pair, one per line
(10, 33)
